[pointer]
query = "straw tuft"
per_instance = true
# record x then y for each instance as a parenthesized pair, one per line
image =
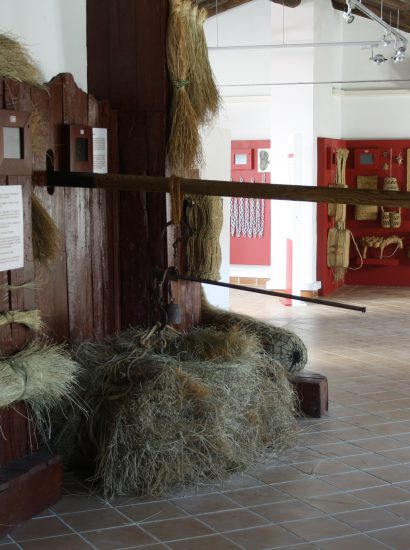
(16, 61)
(30, 318)
(45, 233)
(209, 404)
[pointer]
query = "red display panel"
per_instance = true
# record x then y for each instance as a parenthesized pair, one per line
(250, 250)
(380, 159)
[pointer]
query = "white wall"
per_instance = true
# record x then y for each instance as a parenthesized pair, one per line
(370, 114)
(54, 32)
(216, 144)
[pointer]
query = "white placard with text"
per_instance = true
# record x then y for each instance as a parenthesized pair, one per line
(100, 150)
(11, 227)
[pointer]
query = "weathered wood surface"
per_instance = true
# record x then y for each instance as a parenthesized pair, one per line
(137, 85)
(273, 191)
(78, 293)
(28, 486)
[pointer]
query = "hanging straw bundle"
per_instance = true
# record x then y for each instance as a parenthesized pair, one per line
(45, 234)
(204, 219)
(17, 63)
(202, 91)
(210, 403)
(280, 344)
(31, 319)
(184, 144)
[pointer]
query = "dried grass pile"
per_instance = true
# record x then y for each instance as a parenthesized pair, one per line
(42, 374)
(45, 233)
(210, 403)
(16, 61)
(280, 344)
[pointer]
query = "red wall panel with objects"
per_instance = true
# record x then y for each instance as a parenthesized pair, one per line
(381, 159)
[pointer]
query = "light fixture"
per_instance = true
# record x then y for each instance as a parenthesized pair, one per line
(390, 33)
(347, 15)
(399, 54)
(378, 58)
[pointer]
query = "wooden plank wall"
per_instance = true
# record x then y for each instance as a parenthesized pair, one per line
(78, 294)
(134, 79)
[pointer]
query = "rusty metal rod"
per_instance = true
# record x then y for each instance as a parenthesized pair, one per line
(305, 193)
(174, 275)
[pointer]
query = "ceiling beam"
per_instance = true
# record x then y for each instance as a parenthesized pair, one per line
(213, 7)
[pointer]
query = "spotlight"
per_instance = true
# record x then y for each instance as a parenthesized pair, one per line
(399, 55)
(348, 16)
(387, 39)
(378, 58)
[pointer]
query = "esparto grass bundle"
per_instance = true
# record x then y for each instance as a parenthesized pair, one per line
(203, 91)
(204, 218)
(45, 233)
(282, 345)
(184, 143)
(16, 61)
(29, 318)
(207, 405)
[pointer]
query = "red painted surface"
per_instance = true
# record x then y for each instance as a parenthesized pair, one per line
(389, 275)
(251, 250)
(289, 272)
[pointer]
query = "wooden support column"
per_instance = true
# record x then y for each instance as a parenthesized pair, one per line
(127, 66)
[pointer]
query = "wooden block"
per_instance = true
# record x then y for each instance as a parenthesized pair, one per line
(28, 486)
(312, 390)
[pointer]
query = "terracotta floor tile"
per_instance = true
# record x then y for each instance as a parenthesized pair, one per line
(391, 428)
(397, 537)
(119, 537)
(287, 511)
(234, 519)
(381, 496)
(257, 495)
(355, 542)
(175, 529)
(336, 502)
(152, 511)
(324, 467)
(402, 509)
(239, 481)
(65, 542)
(392, 474)
(206, 503)
(353, 434)
(40, 528)
(91, 520)
(368, 460)
(379, 444)
(354, 480)
(308, 487)
(370, 519)
(338, 449)
(279, 474)
(213, 542)
(261, 538)
(78, 503)
(319, 528)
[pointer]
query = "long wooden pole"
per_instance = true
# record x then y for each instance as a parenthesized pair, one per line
(305, 193)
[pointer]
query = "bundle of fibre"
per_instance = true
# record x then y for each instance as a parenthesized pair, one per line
(280, 344)
(210, 403)
(42, 374)
(16, 62)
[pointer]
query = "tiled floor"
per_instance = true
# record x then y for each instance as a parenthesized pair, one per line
(346, 485)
